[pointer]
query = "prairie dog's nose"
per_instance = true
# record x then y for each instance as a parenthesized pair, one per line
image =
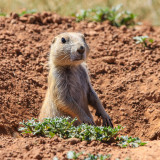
(81, 50)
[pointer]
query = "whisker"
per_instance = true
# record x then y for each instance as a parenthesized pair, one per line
(64, 58)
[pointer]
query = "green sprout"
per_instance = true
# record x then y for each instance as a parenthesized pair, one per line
(125, 141)
(73, 155)
(3, 14)
(144, 40)
(82, 15)
(27, 12)
(98, 157)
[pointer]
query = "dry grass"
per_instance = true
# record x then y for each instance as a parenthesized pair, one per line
(147, 10)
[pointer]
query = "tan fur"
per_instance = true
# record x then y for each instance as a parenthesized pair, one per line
(69, 89)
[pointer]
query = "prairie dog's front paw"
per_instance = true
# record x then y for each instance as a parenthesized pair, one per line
(88, 120)
(107, 120)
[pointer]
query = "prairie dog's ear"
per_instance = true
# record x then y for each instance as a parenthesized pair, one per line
(54, 39)
(81, 34)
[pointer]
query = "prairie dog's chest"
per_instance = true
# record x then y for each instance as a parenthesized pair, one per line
(77, 78)
(73, 81)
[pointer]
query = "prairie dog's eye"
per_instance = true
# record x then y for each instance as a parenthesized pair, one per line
(63, 40)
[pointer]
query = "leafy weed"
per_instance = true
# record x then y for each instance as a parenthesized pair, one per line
(3, 14)
(73, 155)
(144, 40)
(125, 141)
(27, 12)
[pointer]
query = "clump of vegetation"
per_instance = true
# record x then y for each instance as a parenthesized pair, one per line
(114, 15)
(125, 141)
(64, 128)
(144, 40)
(74, 155)
(97, 157)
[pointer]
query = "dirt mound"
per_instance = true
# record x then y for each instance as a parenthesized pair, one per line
(125, 75)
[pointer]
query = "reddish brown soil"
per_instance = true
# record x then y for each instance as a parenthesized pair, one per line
(125, 75)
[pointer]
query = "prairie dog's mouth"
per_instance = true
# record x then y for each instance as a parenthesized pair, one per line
(77, 57)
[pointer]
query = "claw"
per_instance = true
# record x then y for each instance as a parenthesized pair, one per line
(108, 122)
(111, 124)
(89, 122)
(98, 114)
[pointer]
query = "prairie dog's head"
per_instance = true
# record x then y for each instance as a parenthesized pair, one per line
(68, 48)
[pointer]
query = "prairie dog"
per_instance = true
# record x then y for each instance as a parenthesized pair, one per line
(69, 88)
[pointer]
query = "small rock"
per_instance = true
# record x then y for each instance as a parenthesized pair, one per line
(31, 19)
(122, 62)
(38, 156)
(27, 147)
(73, 141)
(45, 14)
(13, 21)
(147, 52)
(93, 143)
(99, 28)
(57, 19)
(100, 49)
(42, 141)
(17, 51)
(56, 139)
(123, 28)
(84, 143)
(39, 68)
(109, 60)
(21, 59)
(92, 33)
(91, 25)
(22, 27)
(14, 15)
(44, 87)
(23, 19)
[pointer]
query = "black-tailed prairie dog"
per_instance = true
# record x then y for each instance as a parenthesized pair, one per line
(69, 88)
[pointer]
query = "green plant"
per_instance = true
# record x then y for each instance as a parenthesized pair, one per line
(63, 127)
(74, 155)
(27, 12)
(144, 40)
(81, 16)
(97, 157)
(3, 14)
(125, 141)
(114, 15)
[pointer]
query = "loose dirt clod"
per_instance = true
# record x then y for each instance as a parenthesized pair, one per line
(128, 84)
